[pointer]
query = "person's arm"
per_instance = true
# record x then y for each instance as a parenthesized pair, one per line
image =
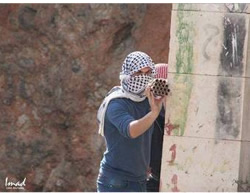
(138, 127)
(117, 114)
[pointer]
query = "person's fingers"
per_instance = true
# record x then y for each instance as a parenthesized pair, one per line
(151, 95)
(147, 91)
(164, 98)
(160, 101)
(159, 98)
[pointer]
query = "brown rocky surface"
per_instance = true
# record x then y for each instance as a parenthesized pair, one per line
(57, 61)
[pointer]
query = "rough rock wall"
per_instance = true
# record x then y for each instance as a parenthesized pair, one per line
(57, 62)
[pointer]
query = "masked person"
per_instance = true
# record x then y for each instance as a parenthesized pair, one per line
(126, 120)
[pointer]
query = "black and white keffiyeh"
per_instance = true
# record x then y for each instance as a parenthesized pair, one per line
(132, 64)
(132, 87)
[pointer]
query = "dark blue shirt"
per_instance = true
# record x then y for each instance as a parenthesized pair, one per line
(125, 157)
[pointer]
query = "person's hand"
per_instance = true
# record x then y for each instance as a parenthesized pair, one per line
(155, 102)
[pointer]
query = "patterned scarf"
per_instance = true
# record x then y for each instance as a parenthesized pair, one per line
(132, 64)
(161, 70)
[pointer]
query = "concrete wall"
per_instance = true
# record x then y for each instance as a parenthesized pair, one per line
(207, 129)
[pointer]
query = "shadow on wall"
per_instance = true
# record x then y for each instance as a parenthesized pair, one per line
(57, 62)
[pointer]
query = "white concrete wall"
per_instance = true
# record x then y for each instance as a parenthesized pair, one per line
(207, 129)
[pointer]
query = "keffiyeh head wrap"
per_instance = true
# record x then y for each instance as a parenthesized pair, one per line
(134, 62)
(161, 70)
